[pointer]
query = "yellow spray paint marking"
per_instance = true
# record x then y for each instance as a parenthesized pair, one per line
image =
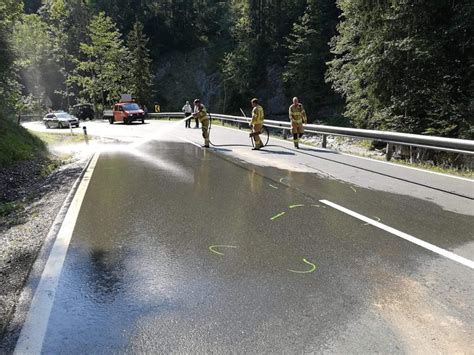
(313, 267)
(211, 248)
(273, 186)
(353, 189)
(277, 216)
(294, 206)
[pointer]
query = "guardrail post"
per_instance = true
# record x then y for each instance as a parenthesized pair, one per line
(388, 152)
(324, 144)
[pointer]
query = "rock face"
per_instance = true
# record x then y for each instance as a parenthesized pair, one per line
(185, 77)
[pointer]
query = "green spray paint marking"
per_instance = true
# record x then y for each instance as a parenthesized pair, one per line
(211, 248)
(277, 216)
(294, 206)
(313, 267)
(273, 186)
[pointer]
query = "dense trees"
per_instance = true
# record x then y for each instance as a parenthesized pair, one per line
(406, 66)
(140, 77)
(102, 74)
(10, 10)
(401, 65)
(308, 52)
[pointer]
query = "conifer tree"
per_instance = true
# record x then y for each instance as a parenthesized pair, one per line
(308, 51)
(405, 66)
(140, 77)
(102, 77)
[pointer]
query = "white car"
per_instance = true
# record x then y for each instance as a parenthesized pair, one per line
(60, 120)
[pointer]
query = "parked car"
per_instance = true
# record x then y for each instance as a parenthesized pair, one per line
(125, 112)
(83, 111)
(60, 120)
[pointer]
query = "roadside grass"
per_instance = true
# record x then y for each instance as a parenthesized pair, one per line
(438, 169)
(18, 144)
(59, 138)
(364, 143)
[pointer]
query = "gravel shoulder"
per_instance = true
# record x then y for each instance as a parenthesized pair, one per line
(34, 191)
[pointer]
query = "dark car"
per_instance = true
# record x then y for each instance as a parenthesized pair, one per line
(83, 111)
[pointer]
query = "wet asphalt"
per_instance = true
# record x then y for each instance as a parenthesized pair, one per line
(141, 275)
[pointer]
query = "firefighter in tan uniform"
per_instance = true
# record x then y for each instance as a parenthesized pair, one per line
(201, 115)
(257, 123)
(297, 117)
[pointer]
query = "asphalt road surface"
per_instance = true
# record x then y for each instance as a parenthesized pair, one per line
(181, 249)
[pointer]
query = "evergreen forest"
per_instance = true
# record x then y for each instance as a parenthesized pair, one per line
(403, 65)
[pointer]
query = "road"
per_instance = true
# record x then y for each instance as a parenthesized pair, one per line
(180, 249)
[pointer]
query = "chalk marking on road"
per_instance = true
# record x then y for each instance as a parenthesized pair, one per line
(277, 216)
(211, 248)
(419, 242)
(276, 188)
(313, 267)
(34, 329)
(294, 206)
(377, 218)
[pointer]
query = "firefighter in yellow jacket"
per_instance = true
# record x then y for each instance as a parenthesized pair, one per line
(201, 115)
(257, 123)
(297, 117)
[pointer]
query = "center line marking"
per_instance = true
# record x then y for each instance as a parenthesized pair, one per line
(34, 329)
(419, 242)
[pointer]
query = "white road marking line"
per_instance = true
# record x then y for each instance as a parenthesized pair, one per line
(34, 329)
(419, 242)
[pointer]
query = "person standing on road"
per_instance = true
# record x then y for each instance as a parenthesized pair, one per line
(195, 118)
(201, 115)
(297, 117)
(187, 110)
(257, 123)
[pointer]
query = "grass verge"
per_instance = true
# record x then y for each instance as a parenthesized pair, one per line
(17, 144)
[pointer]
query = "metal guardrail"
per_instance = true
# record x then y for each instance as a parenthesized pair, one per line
(462, 146)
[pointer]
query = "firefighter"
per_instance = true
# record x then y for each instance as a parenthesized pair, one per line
(201, 115)
(297, 117)
(257, 123)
